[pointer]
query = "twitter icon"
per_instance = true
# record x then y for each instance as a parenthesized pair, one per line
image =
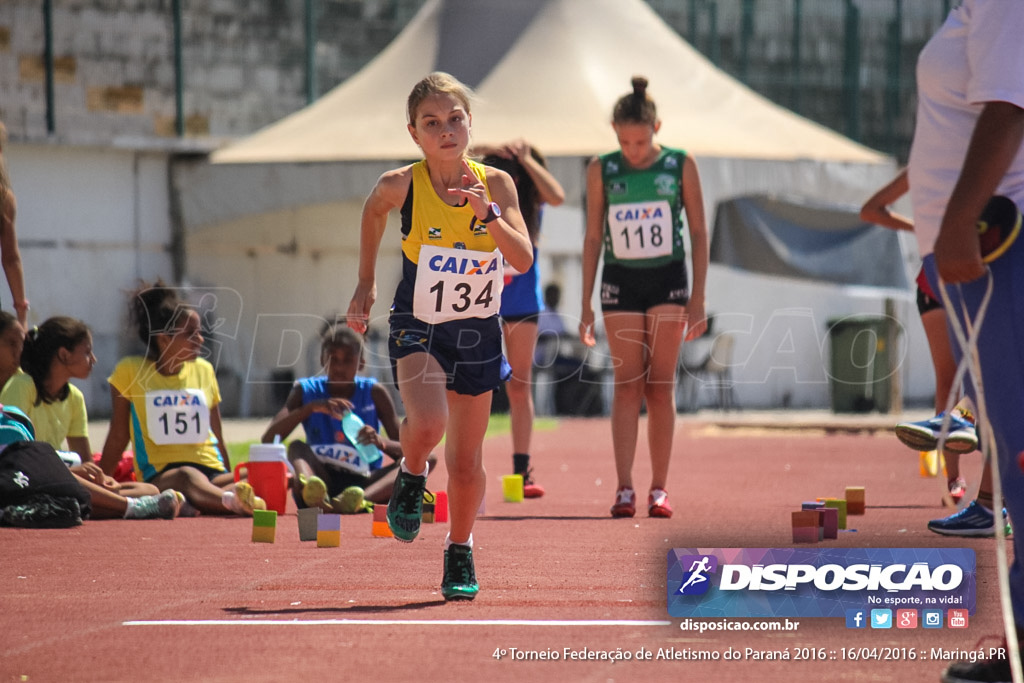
(881, 618)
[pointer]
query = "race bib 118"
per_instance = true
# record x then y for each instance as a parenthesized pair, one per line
(641, 230)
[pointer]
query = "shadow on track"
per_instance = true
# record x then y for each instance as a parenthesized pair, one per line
(368, 609)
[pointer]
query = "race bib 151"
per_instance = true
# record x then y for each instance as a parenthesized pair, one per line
(177, 416)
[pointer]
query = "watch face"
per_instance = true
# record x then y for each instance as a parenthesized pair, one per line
(495, 209)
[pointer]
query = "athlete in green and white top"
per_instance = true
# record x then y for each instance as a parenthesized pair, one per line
(643, 226)
(635, 200)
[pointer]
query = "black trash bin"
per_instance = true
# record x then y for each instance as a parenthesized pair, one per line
(859, 364)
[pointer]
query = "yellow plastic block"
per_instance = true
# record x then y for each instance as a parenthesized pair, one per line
(328, 539)
(512, 488)
(263, 534)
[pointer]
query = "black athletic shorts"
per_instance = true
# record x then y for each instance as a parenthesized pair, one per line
(208, 472)
(640, 289)
(469, 351)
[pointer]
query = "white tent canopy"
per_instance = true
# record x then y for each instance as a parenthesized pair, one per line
(276, 215)
(549, 71)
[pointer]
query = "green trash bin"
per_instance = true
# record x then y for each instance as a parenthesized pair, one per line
(859, 364)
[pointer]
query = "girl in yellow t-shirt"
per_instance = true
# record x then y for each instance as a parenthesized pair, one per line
(167, 403)
(58, 350)
(55, 352)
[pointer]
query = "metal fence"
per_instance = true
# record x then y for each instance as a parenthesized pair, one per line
(194, 68)
(848, 64)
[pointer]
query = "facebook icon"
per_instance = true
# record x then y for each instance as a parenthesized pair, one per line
(856, 618)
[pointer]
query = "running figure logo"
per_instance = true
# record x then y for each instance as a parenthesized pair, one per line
(697, 580)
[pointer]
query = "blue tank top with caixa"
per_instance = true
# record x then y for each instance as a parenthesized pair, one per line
(321, 428)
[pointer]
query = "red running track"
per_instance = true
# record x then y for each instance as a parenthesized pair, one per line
(195, 600)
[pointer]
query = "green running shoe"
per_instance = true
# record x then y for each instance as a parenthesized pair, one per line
(314, 492)
(459, 582)
(405, 509)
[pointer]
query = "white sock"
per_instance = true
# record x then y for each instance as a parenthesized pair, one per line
(230, 501)
(448, 541)
(131, 503)
(426, 469)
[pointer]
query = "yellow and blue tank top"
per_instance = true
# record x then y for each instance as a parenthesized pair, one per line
(450, 262)
(643, 226)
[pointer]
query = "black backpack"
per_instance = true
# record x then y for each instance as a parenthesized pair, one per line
(37, 489)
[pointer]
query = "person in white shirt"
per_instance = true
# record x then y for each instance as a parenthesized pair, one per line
(967, 148)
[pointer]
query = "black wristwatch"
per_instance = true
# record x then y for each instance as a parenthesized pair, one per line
(493, 213)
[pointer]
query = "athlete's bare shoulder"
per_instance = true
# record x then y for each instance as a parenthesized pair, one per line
(393, 186)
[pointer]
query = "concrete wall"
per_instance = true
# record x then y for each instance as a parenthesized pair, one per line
(91, 223)
(244, 63)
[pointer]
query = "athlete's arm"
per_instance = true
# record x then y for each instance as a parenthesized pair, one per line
(389, 193)
(876, 208)
(996, 140)
(388, 417)
(117, 434)
(549, 189)
(81, 445)
(596, 207)
(508, 230)
(10, 257)
(693, 204)
(216, 426)
(288, 418)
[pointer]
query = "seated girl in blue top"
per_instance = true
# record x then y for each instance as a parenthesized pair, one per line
(328, 462)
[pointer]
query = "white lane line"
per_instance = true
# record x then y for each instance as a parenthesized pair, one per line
(391, 622)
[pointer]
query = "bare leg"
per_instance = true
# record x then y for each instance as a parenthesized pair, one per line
(204, 495)
(421, 381)
(303, 469)
(306, 466)
(136, 489)
(936, 331)
(666, 324)
(520, 342)
(105, 503)
(627, 342)
(463, 454)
